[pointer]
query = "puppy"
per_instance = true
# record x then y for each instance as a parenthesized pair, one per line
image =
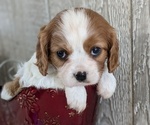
(77, 48)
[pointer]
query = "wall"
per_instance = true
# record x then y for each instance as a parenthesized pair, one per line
(20, 21)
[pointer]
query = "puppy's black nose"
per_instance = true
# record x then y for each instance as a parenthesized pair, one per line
(80, 76)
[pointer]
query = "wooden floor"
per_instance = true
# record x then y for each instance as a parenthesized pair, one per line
(20, 21)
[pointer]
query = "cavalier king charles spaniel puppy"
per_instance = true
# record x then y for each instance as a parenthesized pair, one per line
(77, 48)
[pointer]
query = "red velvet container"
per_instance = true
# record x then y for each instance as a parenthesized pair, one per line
(46, 107)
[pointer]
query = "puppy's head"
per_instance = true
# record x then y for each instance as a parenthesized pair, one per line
(77, 42)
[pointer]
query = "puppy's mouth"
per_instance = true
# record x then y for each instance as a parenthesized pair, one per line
(84, 83)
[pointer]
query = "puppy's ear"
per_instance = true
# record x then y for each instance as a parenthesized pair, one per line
(113, 53)
(42, 50)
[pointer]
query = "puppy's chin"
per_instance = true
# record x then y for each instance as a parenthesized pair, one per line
(79, 84)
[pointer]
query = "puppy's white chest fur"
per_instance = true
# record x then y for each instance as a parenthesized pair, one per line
(30, 76)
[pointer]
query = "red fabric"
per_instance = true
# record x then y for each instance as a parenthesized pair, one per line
(46, 107)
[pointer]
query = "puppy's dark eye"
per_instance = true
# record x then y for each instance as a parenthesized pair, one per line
(62, 54)
(95, 51)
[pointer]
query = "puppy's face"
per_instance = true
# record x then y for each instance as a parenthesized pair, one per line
(77, 43)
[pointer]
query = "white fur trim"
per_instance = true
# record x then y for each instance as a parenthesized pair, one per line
(30, 76)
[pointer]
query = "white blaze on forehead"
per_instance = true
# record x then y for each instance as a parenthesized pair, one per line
(75, 27)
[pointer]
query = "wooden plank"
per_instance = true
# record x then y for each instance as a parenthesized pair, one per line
(20, 24)
(117, 110)
(141, 61)
(55, 6)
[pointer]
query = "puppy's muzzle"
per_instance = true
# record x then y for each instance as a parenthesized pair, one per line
(80, 76)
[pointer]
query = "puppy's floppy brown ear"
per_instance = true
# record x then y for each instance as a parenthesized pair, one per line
(42, 50)
(113, 52)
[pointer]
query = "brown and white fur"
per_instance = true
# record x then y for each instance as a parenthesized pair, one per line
(66, 50)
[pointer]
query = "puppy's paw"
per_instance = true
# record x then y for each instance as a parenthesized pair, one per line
(76, 98)
(107, 85)
(5, 94)
(11, 89)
